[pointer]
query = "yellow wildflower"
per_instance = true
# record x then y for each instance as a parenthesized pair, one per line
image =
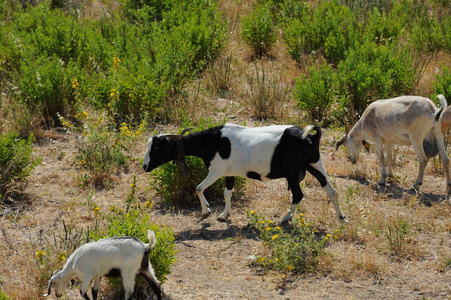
(275, 236)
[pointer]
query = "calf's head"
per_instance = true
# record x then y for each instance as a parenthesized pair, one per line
(162, 149)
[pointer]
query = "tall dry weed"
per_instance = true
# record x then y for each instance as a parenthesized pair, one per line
(268, 94)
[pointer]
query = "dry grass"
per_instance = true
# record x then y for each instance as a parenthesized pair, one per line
(396, 245)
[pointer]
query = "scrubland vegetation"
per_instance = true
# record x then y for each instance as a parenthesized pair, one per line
(84, 83)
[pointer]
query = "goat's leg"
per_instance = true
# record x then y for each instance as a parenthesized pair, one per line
(149, 276)
(423, 160)
(209, 180)
(319, 172)
(95, 287)
(443, 156)
(128, 279)
(389, 157)
(85, 287)
(380, 155)
(293, 185)
(230, 181)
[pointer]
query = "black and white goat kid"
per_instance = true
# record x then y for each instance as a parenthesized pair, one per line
(111, 257)
(278, 151)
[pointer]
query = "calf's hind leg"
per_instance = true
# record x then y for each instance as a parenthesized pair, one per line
(230, 181)
(318, 171)
(293, 185)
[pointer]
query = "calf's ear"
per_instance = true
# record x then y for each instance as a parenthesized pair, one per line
(366, 145)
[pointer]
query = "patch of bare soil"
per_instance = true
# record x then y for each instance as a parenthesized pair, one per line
(213, 257)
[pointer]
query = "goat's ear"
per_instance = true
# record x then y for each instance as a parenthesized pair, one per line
(366, 145)
(340, 142)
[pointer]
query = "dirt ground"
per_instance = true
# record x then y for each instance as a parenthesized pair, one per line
(213, 257)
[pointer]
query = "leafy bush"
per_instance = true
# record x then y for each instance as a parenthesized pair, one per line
(327, 30)
(297, 251)
(102, 150)
(258, 30)
(442, 82)
(384, 27)
(16, 162)
(4, 296)
(127, 67)
(315, 92)
(372, 72)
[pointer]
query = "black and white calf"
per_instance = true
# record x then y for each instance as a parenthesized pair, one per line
(278, 151)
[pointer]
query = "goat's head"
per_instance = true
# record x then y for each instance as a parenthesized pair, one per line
(161, 149)
(352, 144)
(59, 284)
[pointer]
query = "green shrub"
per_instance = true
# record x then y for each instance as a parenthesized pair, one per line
(315, 92)
(16, 162)
(442, 82)
(4, 296)
(258, 30)
(102, 150)
(327, 30)
(298, 250)
(384, 27)
(47, 87)
(373, 71)
(128, 67)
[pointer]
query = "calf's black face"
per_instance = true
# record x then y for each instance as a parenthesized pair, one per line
(159, 151)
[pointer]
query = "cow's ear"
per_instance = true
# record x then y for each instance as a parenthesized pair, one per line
(366, 145)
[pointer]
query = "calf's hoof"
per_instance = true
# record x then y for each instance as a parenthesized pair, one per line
(222, 218)
(285, 221)
(205, 215)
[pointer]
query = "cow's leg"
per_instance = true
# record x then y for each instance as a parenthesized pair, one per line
(319, 172)
(230, 181)
(293, 185)
(209, 180)
(443, 156)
